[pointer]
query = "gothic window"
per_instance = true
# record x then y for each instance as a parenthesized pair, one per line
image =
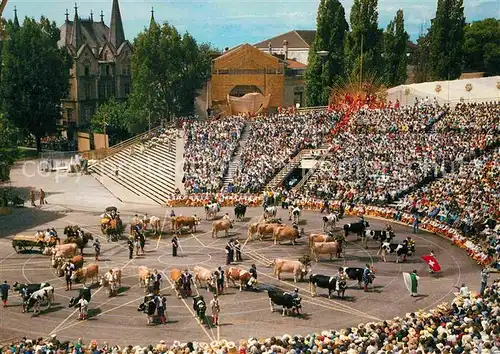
(88, 91)
(108, 70)
(102, 90)
(103, 70)
(127, 90)
(126, 69)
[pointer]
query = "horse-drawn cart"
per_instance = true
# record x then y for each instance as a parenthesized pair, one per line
(22, 243)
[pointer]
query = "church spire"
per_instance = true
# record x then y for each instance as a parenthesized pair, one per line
(152, 22)
(116, 33)
(16, 20)
(77, 31)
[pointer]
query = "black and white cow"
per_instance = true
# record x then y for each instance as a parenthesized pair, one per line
(377, 235)
(43, 295)
(270, 212)
(358, 228)
(326, 282)
(354, 273)
(28, 289)
(401, 249)
(84, 293)
(286, 300)
(330, 221)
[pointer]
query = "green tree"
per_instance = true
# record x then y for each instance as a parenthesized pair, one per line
(421, 59)
(324, 71)
(482, 46)
(395, 49)
(168, 71)
(116, 118)
(365, 37)
(446, 40)
(35, 76)
(8, 147)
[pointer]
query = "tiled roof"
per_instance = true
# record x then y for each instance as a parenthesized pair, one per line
(294, 64)
(95, 34)
(295, 38)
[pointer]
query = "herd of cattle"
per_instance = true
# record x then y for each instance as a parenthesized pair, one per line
(319, 245)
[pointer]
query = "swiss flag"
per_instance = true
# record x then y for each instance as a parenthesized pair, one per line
(432, 262)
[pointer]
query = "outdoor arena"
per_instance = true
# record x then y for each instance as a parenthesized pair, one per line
(243, 314)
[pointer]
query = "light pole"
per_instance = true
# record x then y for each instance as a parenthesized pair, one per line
(105, 136)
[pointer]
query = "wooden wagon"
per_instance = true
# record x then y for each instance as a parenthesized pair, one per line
(22, 243)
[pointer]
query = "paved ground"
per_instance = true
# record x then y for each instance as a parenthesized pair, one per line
(116, 320)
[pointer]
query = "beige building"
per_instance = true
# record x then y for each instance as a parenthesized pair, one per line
(101, 65)
(295, 43)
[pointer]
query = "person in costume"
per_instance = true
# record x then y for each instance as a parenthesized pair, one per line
(414, 278)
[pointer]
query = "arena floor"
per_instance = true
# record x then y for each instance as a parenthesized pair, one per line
(243, 314)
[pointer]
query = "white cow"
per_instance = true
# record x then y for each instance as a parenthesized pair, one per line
(330, 221)
(211, 210)
(270, 212)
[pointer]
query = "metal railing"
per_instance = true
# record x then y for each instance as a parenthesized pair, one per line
(312, 109)
(101, 154)
(285, 171)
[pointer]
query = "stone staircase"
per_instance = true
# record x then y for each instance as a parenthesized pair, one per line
(148, 173)
(235, 161)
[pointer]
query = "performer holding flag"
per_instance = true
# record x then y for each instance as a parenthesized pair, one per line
(411, 282)
(432, 263)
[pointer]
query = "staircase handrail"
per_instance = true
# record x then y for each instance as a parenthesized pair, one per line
(102, 154)
(310, 172)
(286, 169)
(313, 109)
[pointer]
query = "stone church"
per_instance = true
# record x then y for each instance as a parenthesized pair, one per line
(101, 65)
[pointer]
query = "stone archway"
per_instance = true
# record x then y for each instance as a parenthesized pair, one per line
(242, 90)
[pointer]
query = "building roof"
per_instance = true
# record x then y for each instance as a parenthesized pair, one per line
(95, 34)
(296, 39)
(294, 64)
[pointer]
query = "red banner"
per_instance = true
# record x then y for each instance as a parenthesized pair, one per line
(432, 263)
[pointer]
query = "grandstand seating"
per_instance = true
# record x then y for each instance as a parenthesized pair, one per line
(147, 171)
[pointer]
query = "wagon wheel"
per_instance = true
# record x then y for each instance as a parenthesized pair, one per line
(16, 248)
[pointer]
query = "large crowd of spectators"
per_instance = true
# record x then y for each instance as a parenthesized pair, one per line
(468, 198)
(273, 141)
(416, 118)
(471, 116)
(380, 167)
(470, 324)
(209, 148)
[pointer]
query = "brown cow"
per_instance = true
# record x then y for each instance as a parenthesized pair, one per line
(252, 230)
(144, 277)
(235, 274)
(285, 233)
(59, 263)
(202, 274)
(221, 225)
(65, 251)
(331, 248)
(185, 221)
(90, 272)
(267, 229)
(319, 238)
(297, 268)
(175, 277)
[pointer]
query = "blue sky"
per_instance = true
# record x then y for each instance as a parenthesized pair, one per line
(226, 23)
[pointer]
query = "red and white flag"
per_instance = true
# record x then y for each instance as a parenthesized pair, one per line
(432, 262)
